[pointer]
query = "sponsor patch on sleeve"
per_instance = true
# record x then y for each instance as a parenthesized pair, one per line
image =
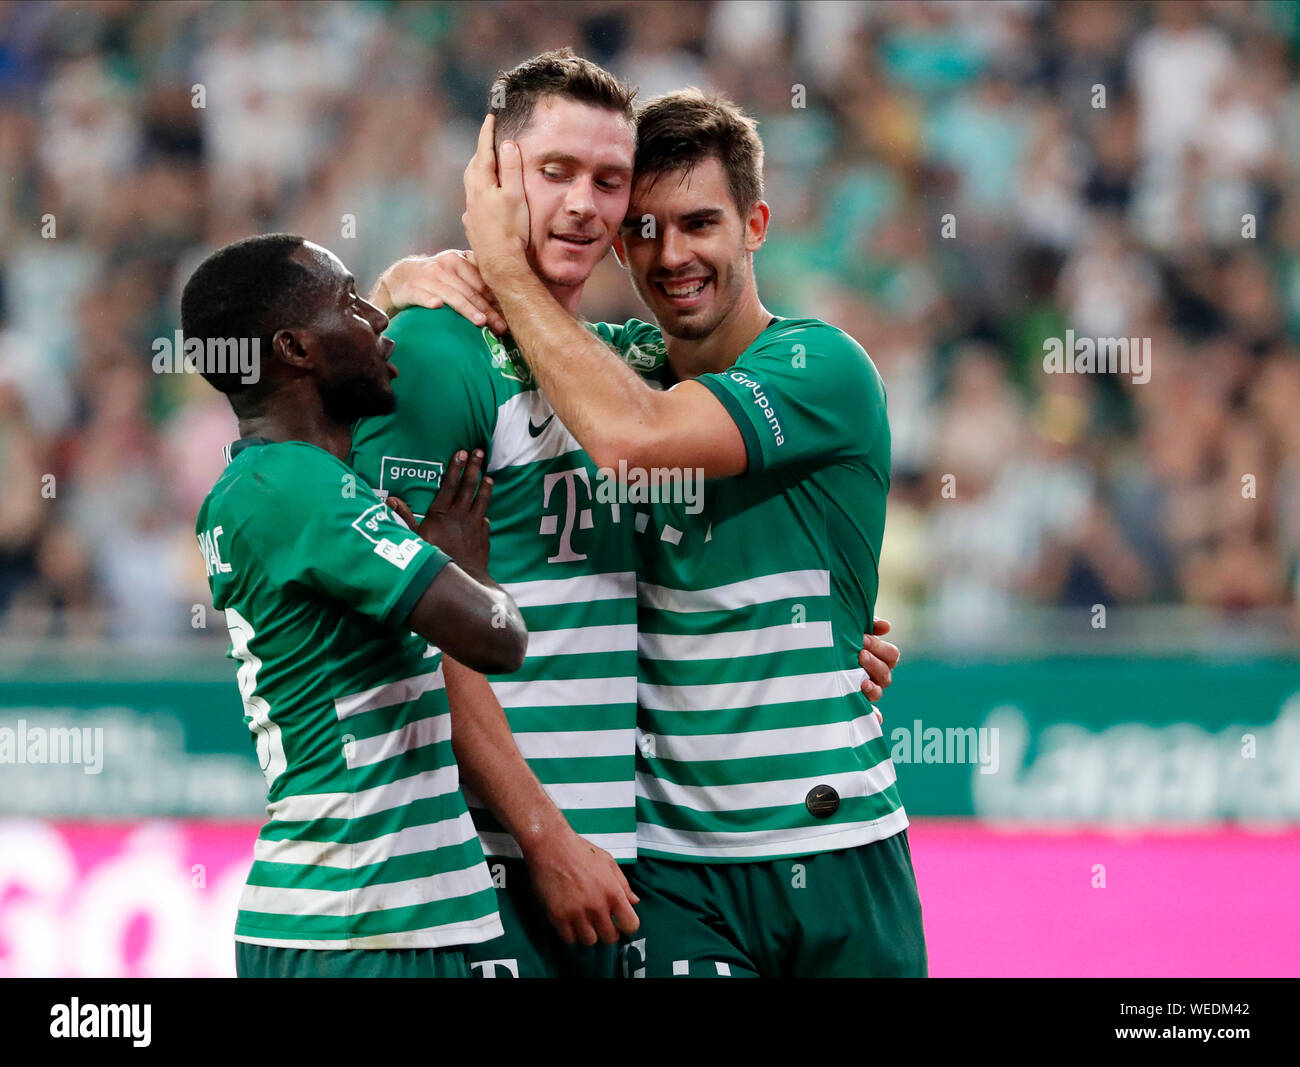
(398, 472)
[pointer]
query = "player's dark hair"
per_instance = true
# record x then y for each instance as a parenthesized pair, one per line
(560, 72)
(248, 289)
(680, 130)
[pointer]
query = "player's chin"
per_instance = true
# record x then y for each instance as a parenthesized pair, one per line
(689, 325)
(385, 400)
(569, 266)
(360, 398)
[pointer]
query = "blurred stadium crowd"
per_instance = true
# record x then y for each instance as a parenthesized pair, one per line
(953, 183)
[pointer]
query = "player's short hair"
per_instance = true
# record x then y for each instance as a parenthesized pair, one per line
(560, 72)
(680, 130)
(248, 289)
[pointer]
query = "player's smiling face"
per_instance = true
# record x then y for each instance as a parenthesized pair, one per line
(577, 176)
(693, 267)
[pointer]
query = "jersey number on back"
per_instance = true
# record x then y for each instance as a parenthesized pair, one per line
(270, 747)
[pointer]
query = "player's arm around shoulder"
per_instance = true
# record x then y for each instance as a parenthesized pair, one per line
(681, 427)
(447, 279)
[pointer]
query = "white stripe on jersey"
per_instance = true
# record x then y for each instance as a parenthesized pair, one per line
(591, 794)
(578, 794)
(733, 644)
(764, 794)
(567, 744)
(384, 696)
(759, 843)
(546, 592)
(780, 586)
(351, 903)
(413, 735)
(383, 797)
(564, 692)
(722, 696)
(404, 842)
(473, 932)
(686, 748)
(580, 640)
(513, 440)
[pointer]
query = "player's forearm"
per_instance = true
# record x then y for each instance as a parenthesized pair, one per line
(466, 614)
(599, 398)
(491, 764)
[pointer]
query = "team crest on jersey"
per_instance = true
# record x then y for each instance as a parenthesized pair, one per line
(646, 356)
(398, 472)
(507, 358)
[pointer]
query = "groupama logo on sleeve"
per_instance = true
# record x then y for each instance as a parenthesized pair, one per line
(762, 402)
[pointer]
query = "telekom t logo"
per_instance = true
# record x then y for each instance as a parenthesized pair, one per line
(566, 554)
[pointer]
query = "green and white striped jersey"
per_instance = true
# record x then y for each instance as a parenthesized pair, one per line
(563, 554)
(369, 843)
(754, 739)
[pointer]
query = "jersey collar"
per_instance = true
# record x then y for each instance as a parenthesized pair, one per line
(235, 447)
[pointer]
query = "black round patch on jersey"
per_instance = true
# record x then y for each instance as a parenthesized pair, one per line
(822, 801)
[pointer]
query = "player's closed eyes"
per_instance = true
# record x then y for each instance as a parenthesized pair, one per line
(609, 185)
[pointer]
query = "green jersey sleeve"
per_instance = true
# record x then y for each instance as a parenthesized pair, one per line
(803, 392)
(640, 344)
(445, 402)
(310, 522)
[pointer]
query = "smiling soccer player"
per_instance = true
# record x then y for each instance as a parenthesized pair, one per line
(567, 546)
(770, 833)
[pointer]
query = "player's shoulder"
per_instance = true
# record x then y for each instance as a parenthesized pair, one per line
(280, 477)
(820, 347)
(423, 335)
(442, 323)
(815, 336)
(437, 345)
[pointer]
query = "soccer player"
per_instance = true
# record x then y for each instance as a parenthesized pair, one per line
(566, 557)
(771, 837)
(369, 865)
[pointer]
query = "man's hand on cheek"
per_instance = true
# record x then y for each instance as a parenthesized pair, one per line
(496, 209)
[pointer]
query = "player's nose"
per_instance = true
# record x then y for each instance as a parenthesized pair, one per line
(674, 250)
(377, 319)
(580, 202)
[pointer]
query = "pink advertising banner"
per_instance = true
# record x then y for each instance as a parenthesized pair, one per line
(158, 898)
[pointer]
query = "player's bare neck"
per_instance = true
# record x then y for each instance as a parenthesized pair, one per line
(567, 296)
(689, 358)
(284, 422)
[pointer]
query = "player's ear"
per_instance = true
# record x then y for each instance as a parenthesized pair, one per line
(756, 225)
(292, 348)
